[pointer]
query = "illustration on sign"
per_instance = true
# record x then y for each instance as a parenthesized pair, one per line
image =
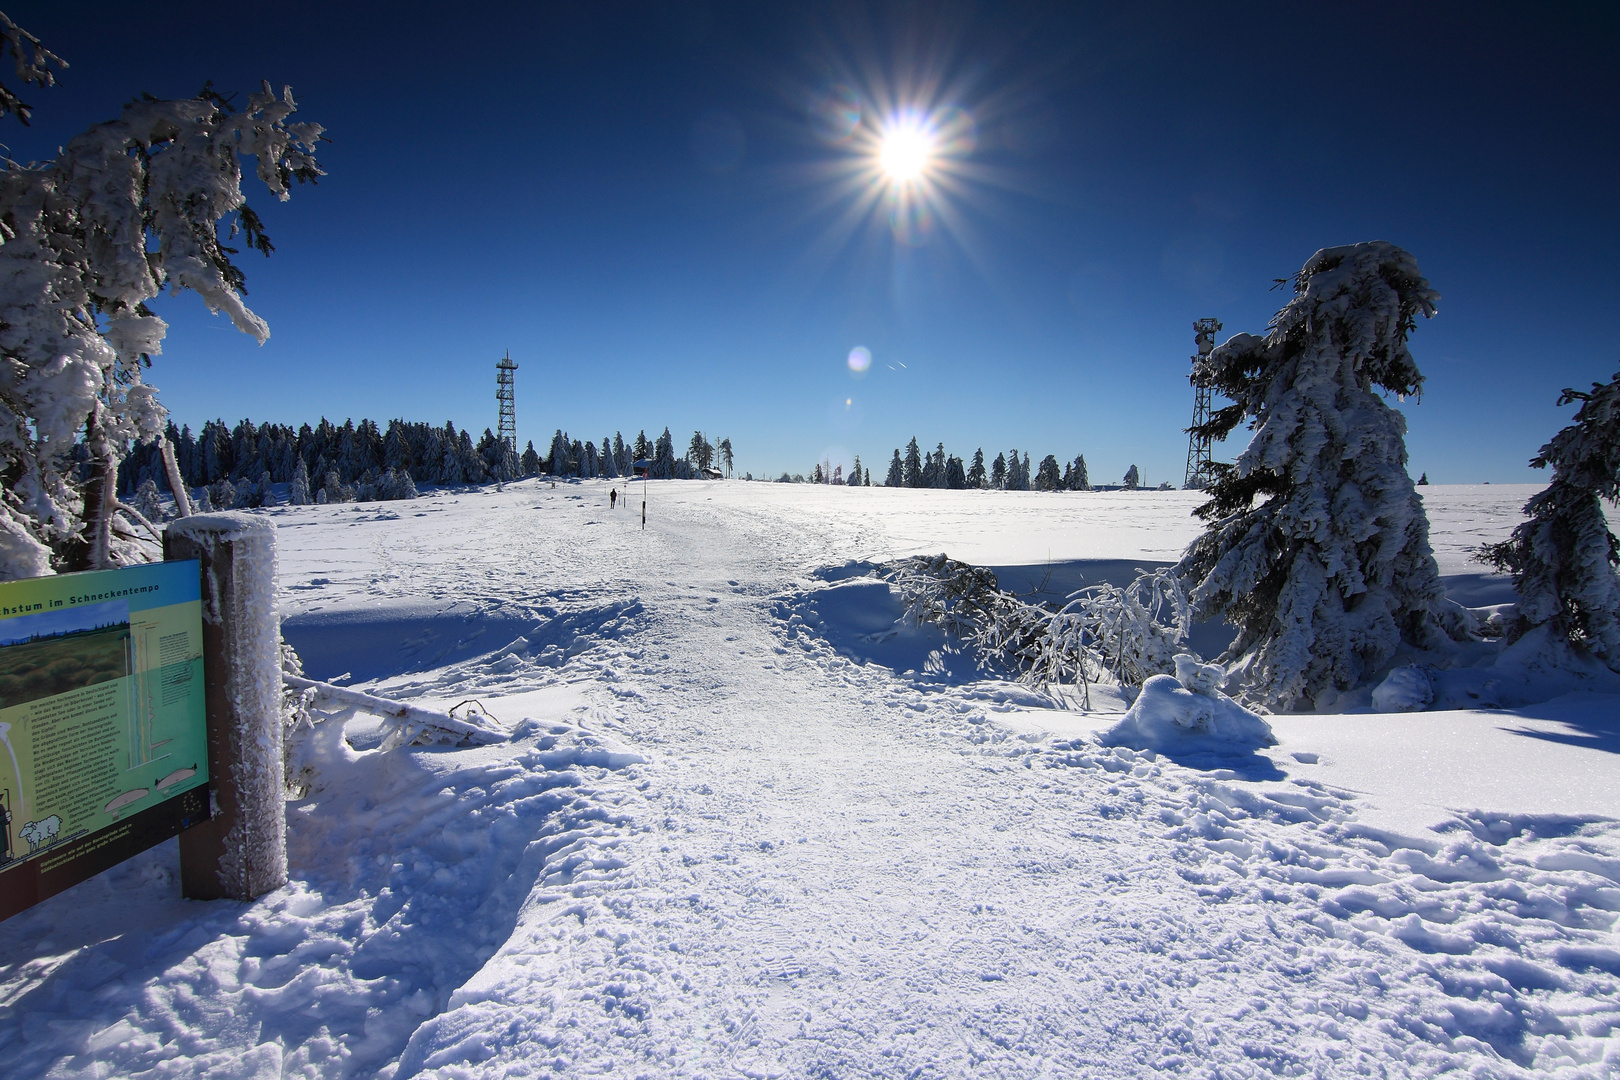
(101, 702)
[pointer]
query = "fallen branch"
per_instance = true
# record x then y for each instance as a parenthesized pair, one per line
(411, 723)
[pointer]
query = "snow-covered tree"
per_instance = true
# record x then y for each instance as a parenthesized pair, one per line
(298, 490)
(530, 461)
(855, 472)
(897, 472)
(699, 451)
(1133, 479)
(726, 460)
(127, 209)
(561, 465)
(663, 466)
(1047, 478)
(998, 472)
(1316, 545)
(914, 472)
(1423, 480)
(1080, 479)
(976, 477)
(955, 477)
(1564, 558)
(33, 63)
(931, 468)
(147, 502)
(643, 448)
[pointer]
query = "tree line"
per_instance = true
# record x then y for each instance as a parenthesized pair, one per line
(937, 469)
(238, 466)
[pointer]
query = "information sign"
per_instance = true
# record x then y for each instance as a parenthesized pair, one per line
(103, 727)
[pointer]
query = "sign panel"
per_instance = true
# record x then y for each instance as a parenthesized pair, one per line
(103, 727)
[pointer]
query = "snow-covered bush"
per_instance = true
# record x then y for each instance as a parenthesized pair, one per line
(130, 207)
(1317, 547)
(1564, 558)
(1105, 632)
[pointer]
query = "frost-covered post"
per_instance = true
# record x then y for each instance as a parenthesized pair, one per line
(241, 853)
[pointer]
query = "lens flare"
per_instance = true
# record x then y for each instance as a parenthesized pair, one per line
(906, 152)
(860, 358)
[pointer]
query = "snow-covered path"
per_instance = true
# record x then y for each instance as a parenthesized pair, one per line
(817, 867)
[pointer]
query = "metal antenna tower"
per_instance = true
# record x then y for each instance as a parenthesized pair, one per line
(503, 394)
(1199, 473)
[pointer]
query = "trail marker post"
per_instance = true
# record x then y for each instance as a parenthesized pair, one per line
(241, 852)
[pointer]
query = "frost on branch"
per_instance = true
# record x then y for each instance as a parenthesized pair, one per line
(131, 207)
(1317, 547)
(1104, 633)
(1564, 558)
(31, 62)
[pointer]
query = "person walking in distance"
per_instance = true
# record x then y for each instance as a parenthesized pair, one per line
(613, 499)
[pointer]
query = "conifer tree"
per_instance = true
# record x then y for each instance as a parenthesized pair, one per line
(725, 455)
(1133, 479)
(913, 464)
(644, 449)
(530, 460)
(855, 472)
(298, 492)
(561, 465)
(1316, 545)
(998, 472)
(1080, 480)
(663, 467)
(1564, 558)
(1047, 479)
(955, 477)
(897, 472)
(976, 476)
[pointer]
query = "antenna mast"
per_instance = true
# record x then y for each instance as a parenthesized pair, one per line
(1199, 473)
(503, 395)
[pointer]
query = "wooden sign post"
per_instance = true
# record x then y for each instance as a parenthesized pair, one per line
(241, 852)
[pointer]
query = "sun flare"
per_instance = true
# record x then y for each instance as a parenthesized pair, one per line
(905, 153)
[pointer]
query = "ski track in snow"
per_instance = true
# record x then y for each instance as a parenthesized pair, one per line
(719, 848)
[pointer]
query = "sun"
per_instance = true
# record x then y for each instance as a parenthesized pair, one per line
(905, 153)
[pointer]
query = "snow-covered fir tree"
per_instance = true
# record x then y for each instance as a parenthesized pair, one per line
(643, 448)
(147, 502)
(700, 452)
(726, 460)
(955, 477)
(663, 466)
(298, 490)
(998, 472)
(1080, 479)
(855, 472)
(560, 462)
(1316, 545)
(128, 209)
(1564, 558)
(530, 461)
(1047, 478)
(897, 472)
(976, 477)
(914, 464)
(1133, 479)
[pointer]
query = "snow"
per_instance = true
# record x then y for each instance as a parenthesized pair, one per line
(730, 839)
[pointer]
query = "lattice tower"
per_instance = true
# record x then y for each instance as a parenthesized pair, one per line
(1199, 473)
(504, 396)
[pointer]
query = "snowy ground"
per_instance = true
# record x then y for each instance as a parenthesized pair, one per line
(748, 827)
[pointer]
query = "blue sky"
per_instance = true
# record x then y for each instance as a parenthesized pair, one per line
(638, 203)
